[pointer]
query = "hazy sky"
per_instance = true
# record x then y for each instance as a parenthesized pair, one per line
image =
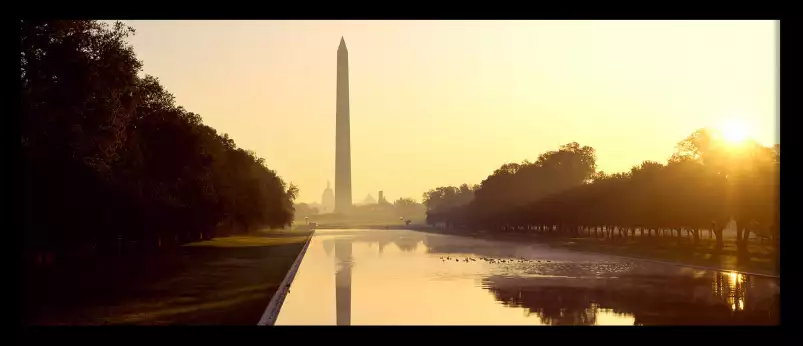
(445, 102)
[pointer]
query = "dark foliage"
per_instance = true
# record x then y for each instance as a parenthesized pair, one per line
(112, 165)
(704, 185)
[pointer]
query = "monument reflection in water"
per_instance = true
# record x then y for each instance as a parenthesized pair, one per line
(343, 281)
(396, 277)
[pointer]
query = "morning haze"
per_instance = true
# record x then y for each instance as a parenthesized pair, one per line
(437, 103)
(569, 173)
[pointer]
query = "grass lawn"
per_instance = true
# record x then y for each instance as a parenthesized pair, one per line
(227, 280)
(702, 255)
(663, 249)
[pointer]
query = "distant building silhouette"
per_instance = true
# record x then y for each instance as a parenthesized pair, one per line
(328, 200)
(381, 198)
(369, 199)
(343, 201)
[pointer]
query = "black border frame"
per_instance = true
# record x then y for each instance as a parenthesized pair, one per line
(220, 334)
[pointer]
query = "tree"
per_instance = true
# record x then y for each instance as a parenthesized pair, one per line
(442, 202)
(514, 186)
(78, 86)
(408, 208)
(110, 160)
(304, 210)
(702, 186)
(748, 170)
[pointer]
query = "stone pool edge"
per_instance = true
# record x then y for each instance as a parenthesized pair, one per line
(275, 304)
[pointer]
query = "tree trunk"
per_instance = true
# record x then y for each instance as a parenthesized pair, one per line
(741, 242)
(720, 242)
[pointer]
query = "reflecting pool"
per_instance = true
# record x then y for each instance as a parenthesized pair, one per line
(402, 277)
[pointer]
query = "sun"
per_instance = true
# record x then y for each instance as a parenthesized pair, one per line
(734, 131)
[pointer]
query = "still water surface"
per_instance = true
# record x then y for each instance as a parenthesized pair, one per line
(400, 277)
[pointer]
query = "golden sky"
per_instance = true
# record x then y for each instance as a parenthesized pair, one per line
(445, 102)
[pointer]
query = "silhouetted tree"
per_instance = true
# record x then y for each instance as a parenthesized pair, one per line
(703, 185)
(408, 208)
(442, 201)
(305, 210)
(514, 186)
(109, 159)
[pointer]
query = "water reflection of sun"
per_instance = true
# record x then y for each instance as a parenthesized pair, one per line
(735, 294)
(733, 278)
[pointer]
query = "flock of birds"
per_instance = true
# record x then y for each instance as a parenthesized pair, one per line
(492, 260)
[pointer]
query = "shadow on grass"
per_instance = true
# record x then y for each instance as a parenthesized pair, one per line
(654, 248)
(222, 281)
(703, 253)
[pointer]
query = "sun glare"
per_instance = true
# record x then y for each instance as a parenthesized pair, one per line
(734, 131)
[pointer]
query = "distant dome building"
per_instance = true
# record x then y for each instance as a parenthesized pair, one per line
(328, 199)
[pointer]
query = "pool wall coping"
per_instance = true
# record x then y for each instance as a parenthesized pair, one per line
(275, 304)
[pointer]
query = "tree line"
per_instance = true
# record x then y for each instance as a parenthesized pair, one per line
(404, 208)
(112, 164)
(706, 183)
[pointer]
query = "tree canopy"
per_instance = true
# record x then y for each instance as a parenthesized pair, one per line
(706, 183)
(110, 159)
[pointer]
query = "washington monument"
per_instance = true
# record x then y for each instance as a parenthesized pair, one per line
(343, 135)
